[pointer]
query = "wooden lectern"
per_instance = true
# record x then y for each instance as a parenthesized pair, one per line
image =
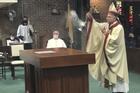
(59, 70)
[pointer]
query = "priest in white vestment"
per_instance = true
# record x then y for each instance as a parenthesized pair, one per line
(56, 42)
(107, 41)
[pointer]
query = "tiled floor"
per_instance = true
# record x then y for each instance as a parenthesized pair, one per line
(134, 84)
(18, 86)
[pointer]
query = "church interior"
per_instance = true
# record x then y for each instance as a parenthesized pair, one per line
(47, 16)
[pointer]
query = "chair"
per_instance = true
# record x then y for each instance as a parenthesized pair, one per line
(2, 66)
(4, 53)
(15, 60)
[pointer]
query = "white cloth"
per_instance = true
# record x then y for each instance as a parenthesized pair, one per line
(25, 32)
(56, 43)
(121, 86)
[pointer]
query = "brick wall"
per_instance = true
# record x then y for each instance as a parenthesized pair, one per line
(39, 12)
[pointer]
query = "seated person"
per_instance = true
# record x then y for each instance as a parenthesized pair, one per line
(12, 40)
(56, 42)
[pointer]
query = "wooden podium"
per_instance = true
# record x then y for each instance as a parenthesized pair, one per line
(60, 70)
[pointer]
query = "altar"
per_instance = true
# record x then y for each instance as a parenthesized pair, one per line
(59, 70)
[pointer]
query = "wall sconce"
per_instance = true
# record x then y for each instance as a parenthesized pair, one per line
(12, 15)
(55, 11)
